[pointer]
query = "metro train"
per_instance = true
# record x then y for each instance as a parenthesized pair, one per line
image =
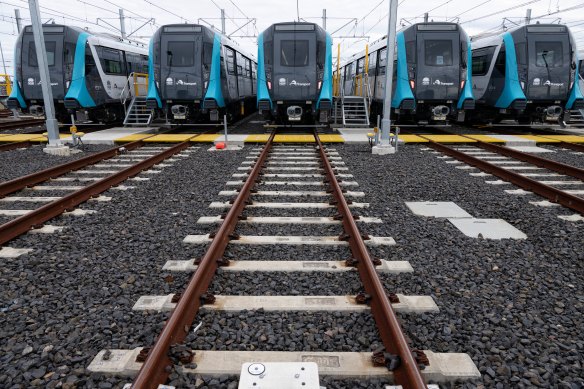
(196, 74)
(528, 74)
(88, 73)
(295, 73)
(432, 80)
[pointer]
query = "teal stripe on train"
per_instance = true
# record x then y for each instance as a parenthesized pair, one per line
(262, 89)
(152, 89)
(214, 91)
(78, 88)
(326, 92)
(403, 91)
(512, 89)
(467, 93)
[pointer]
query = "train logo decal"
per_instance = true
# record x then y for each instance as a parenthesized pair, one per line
(426, 81)
(296, 83)
(438, 82)
(282, 81)
(109, 85)
(30, 81)
(169, 81)
(181, 82)
(549, 83)
(536, 82)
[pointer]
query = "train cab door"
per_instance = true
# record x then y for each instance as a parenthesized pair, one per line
(295, 68)
(54, 45)
(231, 67)
(549, 59)
(181, 59)
(437, 65)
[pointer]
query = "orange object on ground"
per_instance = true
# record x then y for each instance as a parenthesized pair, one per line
(220, 145)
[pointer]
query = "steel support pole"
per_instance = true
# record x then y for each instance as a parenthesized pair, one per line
(37, 29)
(386, 121)
(426, 17)
(223, 21)
(122, 24)
(3, 63)
(324, 19)
(18, 20)
(528, 16)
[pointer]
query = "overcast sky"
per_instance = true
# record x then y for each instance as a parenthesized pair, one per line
(476, 16)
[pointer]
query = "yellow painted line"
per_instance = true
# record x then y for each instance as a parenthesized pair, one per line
(290, 138)
(566, 138)
(257, 138)
(331, 138)
(132, 138)
(448, 138)
(28, 137)
(169, 138)
(486, 138)
(410, 138)
(205, 138)
(539, 139)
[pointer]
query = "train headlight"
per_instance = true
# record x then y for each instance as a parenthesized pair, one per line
(462, 84)
(67, 83)
(319, 84)
(522, 85)
(413, 84)
(206, 76)
(269, 85)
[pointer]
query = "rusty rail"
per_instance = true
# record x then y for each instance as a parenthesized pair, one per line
(407, 372)
(21, 124)
(157, 366)
(15, 145)
(552, 194)
(534, 160)
(572, 146)
(20, 183)
(24, 223)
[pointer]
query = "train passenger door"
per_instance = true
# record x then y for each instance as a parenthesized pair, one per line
(295, 65)
(438, 65)
(230, 65)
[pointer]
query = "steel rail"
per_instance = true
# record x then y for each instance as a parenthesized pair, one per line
(534, 160)
(552, 194)
(157, 366)
(21, 124)
(22, 224)
(15, 145)
(572, 146)
(407, 372)
(20, 183)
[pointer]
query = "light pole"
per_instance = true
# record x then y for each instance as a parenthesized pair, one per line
(385, 147)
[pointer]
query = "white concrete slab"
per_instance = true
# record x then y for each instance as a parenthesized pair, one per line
(511, 162)
(531, 149)
(572, 218)
(519, 192)
(57, 187)
(540, 174)
(291, 193)
(225, 204)
(11, 252)
(487, 228)
(443, 367)
(152, 171)
(79, 212)
(393, 267)
(497, 182)
(46, 229)
(562, 183)
(437, 209)
(294, 163)
(454, 162)
(406, 304)
(291, 240)
(80, 179)
(122, 187)
(14, 212)
(94, 172)
(465, 167)
(522, 167)
(109, 136)
(544, 203)
(285, 220)
(512, 140)
(109, 165)
(290, 175)
(481, 174)
(492, 157)
(575, 192)
(44, 199)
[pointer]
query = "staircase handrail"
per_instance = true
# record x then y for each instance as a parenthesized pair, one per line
(126, 92)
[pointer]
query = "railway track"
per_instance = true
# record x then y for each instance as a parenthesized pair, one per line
(549, 179)
(102, 171)
(285, 166)
(13, 124)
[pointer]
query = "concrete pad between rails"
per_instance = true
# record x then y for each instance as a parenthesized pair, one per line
(392, 267)
(407, 304)
(443, 367)
(226, 204)
(291, 240)
(285, 220)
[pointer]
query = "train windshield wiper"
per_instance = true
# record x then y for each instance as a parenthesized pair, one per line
(547, 66)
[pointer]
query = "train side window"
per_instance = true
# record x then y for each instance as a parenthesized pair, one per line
(51, 47)
(247, 68)
(382, 60)
(411, 51)
(581, 69)
(372, 62)
(294, 53)
(480, 65)
(230, 58)
(501, 63)
(549, 54)
(180, 54)
(438, 52)
(89, 60)
(207, 55)
(360, 65)
(111, 61)
(521, 53)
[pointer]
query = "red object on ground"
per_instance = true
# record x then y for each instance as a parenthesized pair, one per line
(220, 145)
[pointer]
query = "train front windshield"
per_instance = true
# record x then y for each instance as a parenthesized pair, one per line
(295, 62)
(546, 58)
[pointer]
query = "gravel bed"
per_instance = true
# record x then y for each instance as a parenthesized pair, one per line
(24, 130)
(566, 156)
(72, 296)
(286, 284)
(512, 305)
(20, 162)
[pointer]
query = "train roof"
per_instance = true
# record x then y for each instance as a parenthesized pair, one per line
(196, 28)
(296, 26)
(495, 38)
(100, 38)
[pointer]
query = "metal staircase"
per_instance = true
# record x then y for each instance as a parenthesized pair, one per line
(354, 109)
(137, 114)
(576, 118)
